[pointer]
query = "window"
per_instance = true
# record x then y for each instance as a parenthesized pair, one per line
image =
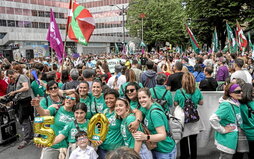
(17, 0)
(27, 12)
(62, 26)
(18, 11)
(35, 24)
(27, 24)
(34, 13)
(3, 22)
(61, 15)
(25, 1)
(2, 9)
(41, 13)
(42, 25)
(33, 1)
(47, 14)
(48, 3)
(11, 23)
(41, 2)
(47, 25)
(56, 15)
(9, 10)
(19, 24)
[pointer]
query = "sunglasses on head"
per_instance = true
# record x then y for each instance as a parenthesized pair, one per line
(53, 88)
(71, 98)
(130, 90)
(82, 138)
(237, 91)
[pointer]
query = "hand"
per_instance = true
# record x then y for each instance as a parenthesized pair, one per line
(229, 128)
(55, 106)
(98, 143)
(12, 93)
(139, 136)
(133, 127)
(35, 102)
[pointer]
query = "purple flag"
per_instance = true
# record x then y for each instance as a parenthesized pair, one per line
(55, 39)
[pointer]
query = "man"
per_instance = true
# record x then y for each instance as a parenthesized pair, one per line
(135, 68)
(185, 62)
(175, 80)
(148, 77)
(209, 83)
(240, 73)
(74, 73)
(22, 106)
(117, 79)
(89, 75)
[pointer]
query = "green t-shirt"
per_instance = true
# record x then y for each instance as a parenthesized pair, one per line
(248, 123)
(87, 101)
(114, 137)
(122, 88)
(61, 118)
(157, 118)
(43, 102)
(37, 89)
(195, 97)
(60, 85)
(129, 140)
(135, 105)
(97, 106)
(70, 130)
(228, 117)
(160, 90)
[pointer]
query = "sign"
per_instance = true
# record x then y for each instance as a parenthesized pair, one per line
(112, 63)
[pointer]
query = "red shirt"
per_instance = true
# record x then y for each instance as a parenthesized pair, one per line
(3, 87)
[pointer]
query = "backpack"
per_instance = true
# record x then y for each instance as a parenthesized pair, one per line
(190, 112)
(161, 101)
(175, 126)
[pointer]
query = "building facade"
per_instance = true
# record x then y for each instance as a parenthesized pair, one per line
(24, 25)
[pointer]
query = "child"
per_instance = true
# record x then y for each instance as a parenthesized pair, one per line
(83, 150)
(209, 83)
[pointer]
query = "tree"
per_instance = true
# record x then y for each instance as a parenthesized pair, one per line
(164, 21)
(206, 15)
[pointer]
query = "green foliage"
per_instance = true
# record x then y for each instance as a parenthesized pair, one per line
(205, 15)
(164, 21)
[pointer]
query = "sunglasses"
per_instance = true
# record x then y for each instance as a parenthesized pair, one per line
(53, 88)
(130, 90)
(237, 91)
(82, 138)
(71, 98)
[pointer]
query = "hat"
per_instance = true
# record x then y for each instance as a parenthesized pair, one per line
(118, 68)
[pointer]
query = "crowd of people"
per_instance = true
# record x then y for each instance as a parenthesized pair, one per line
(78, 89)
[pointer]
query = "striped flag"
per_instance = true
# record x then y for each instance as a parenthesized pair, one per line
(80, 23)
(231, 40)
(193, 40)
(241, 37)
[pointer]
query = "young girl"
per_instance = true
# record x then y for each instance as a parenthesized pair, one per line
(125, 113)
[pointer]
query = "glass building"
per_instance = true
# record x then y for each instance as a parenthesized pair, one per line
(24, 25)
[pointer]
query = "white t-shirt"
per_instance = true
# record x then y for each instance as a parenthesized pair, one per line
(121, 80)
(88, 153)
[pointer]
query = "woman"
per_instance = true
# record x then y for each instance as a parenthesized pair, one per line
(247, 114)
(97, 101)
(226, 121)
(114, 138)
(191, 130)
(3, 84)
(51, 96)
(62, 116)
(125, 113)
(157, 123)
(36, 87)
(199, 73)
(84, 96)
(130, 77)
(71, 129)
(131, 93)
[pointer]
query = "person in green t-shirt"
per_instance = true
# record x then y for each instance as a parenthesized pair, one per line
(247, 113)
(85, 97)
(52, 95)
(227, 122)
(157, 123)
(97, 101)
(114, 138)
(62, 116)
(131, 93)
(130, 77)
(191, 130)
(71, 129)
(124, 112)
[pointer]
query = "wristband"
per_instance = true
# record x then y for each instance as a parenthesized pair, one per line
(148, 137)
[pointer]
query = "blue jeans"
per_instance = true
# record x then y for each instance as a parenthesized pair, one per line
(161, 155)
(145, 153)
(101, 153)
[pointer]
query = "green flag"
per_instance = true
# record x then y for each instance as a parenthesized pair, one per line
(250, 43)
(116, 49)
(194, 42)
(215, 41)
(231, 39)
